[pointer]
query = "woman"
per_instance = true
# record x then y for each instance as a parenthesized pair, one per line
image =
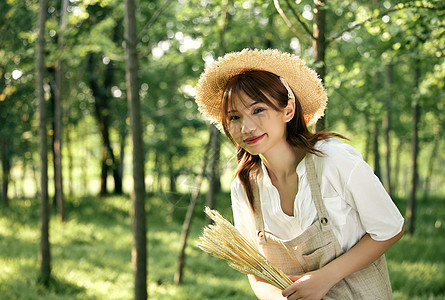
(308, 201)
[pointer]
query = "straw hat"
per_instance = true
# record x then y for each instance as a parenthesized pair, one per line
(305, 83)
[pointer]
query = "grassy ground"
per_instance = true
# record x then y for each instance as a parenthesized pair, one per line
(91, 253)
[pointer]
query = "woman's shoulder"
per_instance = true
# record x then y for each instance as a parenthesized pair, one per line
(333, 149)
(336, 157)
(237, 187)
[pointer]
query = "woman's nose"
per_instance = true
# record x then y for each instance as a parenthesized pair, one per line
(248, 125)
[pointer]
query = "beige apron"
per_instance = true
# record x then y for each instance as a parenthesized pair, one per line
(316, 247)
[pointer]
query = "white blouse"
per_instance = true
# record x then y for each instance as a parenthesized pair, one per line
(354, 197)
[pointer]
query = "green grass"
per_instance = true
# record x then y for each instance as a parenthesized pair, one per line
(91, 253)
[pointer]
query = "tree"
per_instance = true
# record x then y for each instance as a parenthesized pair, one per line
(189, 215)
(215, 143)
(45, 256)
(58, 178)
(387, 127)
(139, 254)
(411, 208)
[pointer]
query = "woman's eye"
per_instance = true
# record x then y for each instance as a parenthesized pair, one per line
(233, 118)
(258, 110)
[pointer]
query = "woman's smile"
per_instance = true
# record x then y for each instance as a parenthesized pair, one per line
(254, 139)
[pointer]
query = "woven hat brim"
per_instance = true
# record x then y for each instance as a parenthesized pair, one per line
(305, 82)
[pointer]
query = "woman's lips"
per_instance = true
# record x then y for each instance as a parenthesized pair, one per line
(254, 139)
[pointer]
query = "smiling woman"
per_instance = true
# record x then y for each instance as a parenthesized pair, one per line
(307, 201)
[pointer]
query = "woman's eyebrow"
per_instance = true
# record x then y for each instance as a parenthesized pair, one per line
(250, 105)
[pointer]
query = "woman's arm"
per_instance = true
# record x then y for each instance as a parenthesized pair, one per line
(264, 290)
(316, 284)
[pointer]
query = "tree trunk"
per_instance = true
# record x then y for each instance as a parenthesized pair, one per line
(102, 110)
(431, 164)
(84, 167)
(158, 167)
(45, 256)
(214, 164)
(411, 208)
(396, 182)
(368, 138)
(172, 174)
(189, 216)
(319, 46)
(387, 127)
(376, 149)
(215, 145)
(58, 178)
(139, 254)
(6, 168)
(120, 168)
(69, 153)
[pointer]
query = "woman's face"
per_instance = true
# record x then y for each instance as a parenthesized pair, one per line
(255, 126)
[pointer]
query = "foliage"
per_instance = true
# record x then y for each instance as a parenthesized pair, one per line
(178, 38)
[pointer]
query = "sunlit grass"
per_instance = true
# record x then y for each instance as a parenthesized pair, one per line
(91, 252)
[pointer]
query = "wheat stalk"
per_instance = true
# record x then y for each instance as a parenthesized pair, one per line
(224, 241)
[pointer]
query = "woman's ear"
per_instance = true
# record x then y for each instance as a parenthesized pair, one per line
(289, 110)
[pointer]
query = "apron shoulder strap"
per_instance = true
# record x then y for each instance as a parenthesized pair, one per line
(259, 222)
(323, 216)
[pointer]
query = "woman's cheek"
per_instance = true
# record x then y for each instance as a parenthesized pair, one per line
(236, 133)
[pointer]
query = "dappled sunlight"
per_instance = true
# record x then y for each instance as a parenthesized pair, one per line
(91, 253)
(418, 278)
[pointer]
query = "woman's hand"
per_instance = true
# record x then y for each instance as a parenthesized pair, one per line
(316, 284)
(311, 286)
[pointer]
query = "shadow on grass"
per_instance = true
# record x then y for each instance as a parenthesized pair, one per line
(60, 286)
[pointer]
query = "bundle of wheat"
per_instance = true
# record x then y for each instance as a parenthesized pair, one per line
(224, 241)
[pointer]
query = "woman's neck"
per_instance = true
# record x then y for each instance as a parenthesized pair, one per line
(281, 161)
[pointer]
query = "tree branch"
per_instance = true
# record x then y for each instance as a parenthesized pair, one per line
(297, 16)
(397, 7)
(153, 19)
(288, 23)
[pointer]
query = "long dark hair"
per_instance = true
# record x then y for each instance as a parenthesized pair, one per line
(258, 85)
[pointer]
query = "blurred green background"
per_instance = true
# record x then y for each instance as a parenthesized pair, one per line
(383, 68)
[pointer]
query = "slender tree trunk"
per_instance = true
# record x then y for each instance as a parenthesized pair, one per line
(377, 170)
(139, 255)
(45, 256)
(212, 174)
(319, 46)
(102, 109)
(158, 166)
(6, 167)
(120, 168)
(69, 154)
(36, 180)
(411, 208)
(189, 216)
(396, 182)
(387, 127)
(84, 167)
(368, 137)
(51, 120)
(58, 177)
(104, 173)
(172, 175)
(431, 165)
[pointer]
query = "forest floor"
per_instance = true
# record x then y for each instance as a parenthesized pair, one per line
(91, 252)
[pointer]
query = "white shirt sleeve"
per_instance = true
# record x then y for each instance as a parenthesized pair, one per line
(367, 206)
(365, 193)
